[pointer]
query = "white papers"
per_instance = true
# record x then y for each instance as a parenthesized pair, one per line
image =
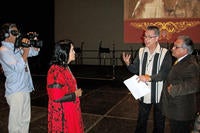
(137, 89)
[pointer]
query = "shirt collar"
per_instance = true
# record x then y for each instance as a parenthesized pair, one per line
(8, 45)
(157, 50)
(179, 59)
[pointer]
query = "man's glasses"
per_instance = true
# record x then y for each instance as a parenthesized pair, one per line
(149, 37)
(176, 47)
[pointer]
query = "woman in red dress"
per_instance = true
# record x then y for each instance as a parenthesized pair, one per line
(64, 112)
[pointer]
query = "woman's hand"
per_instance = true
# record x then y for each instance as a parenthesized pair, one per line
(78, 92)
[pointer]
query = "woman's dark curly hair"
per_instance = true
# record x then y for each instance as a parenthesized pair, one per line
(61, 53)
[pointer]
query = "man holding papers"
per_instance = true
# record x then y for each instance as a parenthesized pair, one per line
(135, 87)
(152, 65)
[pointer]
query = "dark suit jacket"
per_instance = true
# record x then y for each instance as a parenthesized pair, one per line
(180, 103)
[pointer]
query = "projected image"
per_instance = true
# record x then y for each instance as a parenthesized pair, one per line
(141, 9)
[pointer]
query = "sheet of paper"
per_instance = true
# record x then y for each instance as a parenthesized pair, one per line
(137, 89)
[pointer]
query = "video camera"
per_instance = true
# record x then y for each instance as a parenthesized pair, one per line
(34, 41)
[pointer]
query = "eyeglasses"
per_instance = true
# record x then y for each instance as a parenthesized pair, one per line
(149, 37)
(176, 47)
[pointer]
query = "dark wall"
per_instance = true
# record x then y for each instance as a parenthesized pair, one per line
(92, 22)
(33, 16)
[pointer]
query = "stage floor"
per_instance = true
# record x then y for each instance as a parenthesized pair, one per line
(107, 107)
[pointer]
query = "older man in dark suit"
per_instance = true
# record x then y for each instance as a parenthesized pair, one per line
(179, 94)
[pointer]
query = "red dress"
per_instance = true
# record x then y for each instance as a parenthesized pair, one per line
(63, 117)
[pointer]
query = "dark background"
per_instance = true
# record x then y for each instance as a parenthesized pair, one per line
(33, 16)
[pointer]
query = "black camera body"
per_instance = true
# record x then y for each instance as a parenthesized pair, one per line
(34, 42)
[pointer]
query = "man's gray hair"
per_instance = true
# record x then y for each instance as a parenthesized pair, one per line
(188, 43)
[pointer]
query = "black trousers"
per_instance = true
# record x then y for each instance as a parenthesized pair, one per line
(180, 126)
(143, 116)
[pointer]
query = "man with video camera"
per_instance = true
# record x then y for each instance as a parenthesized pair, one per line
(18, 84)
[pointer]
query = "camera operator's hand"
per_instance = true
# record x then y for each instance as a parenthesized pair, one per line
(25, 40)
(25, 43)
(25, 53)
